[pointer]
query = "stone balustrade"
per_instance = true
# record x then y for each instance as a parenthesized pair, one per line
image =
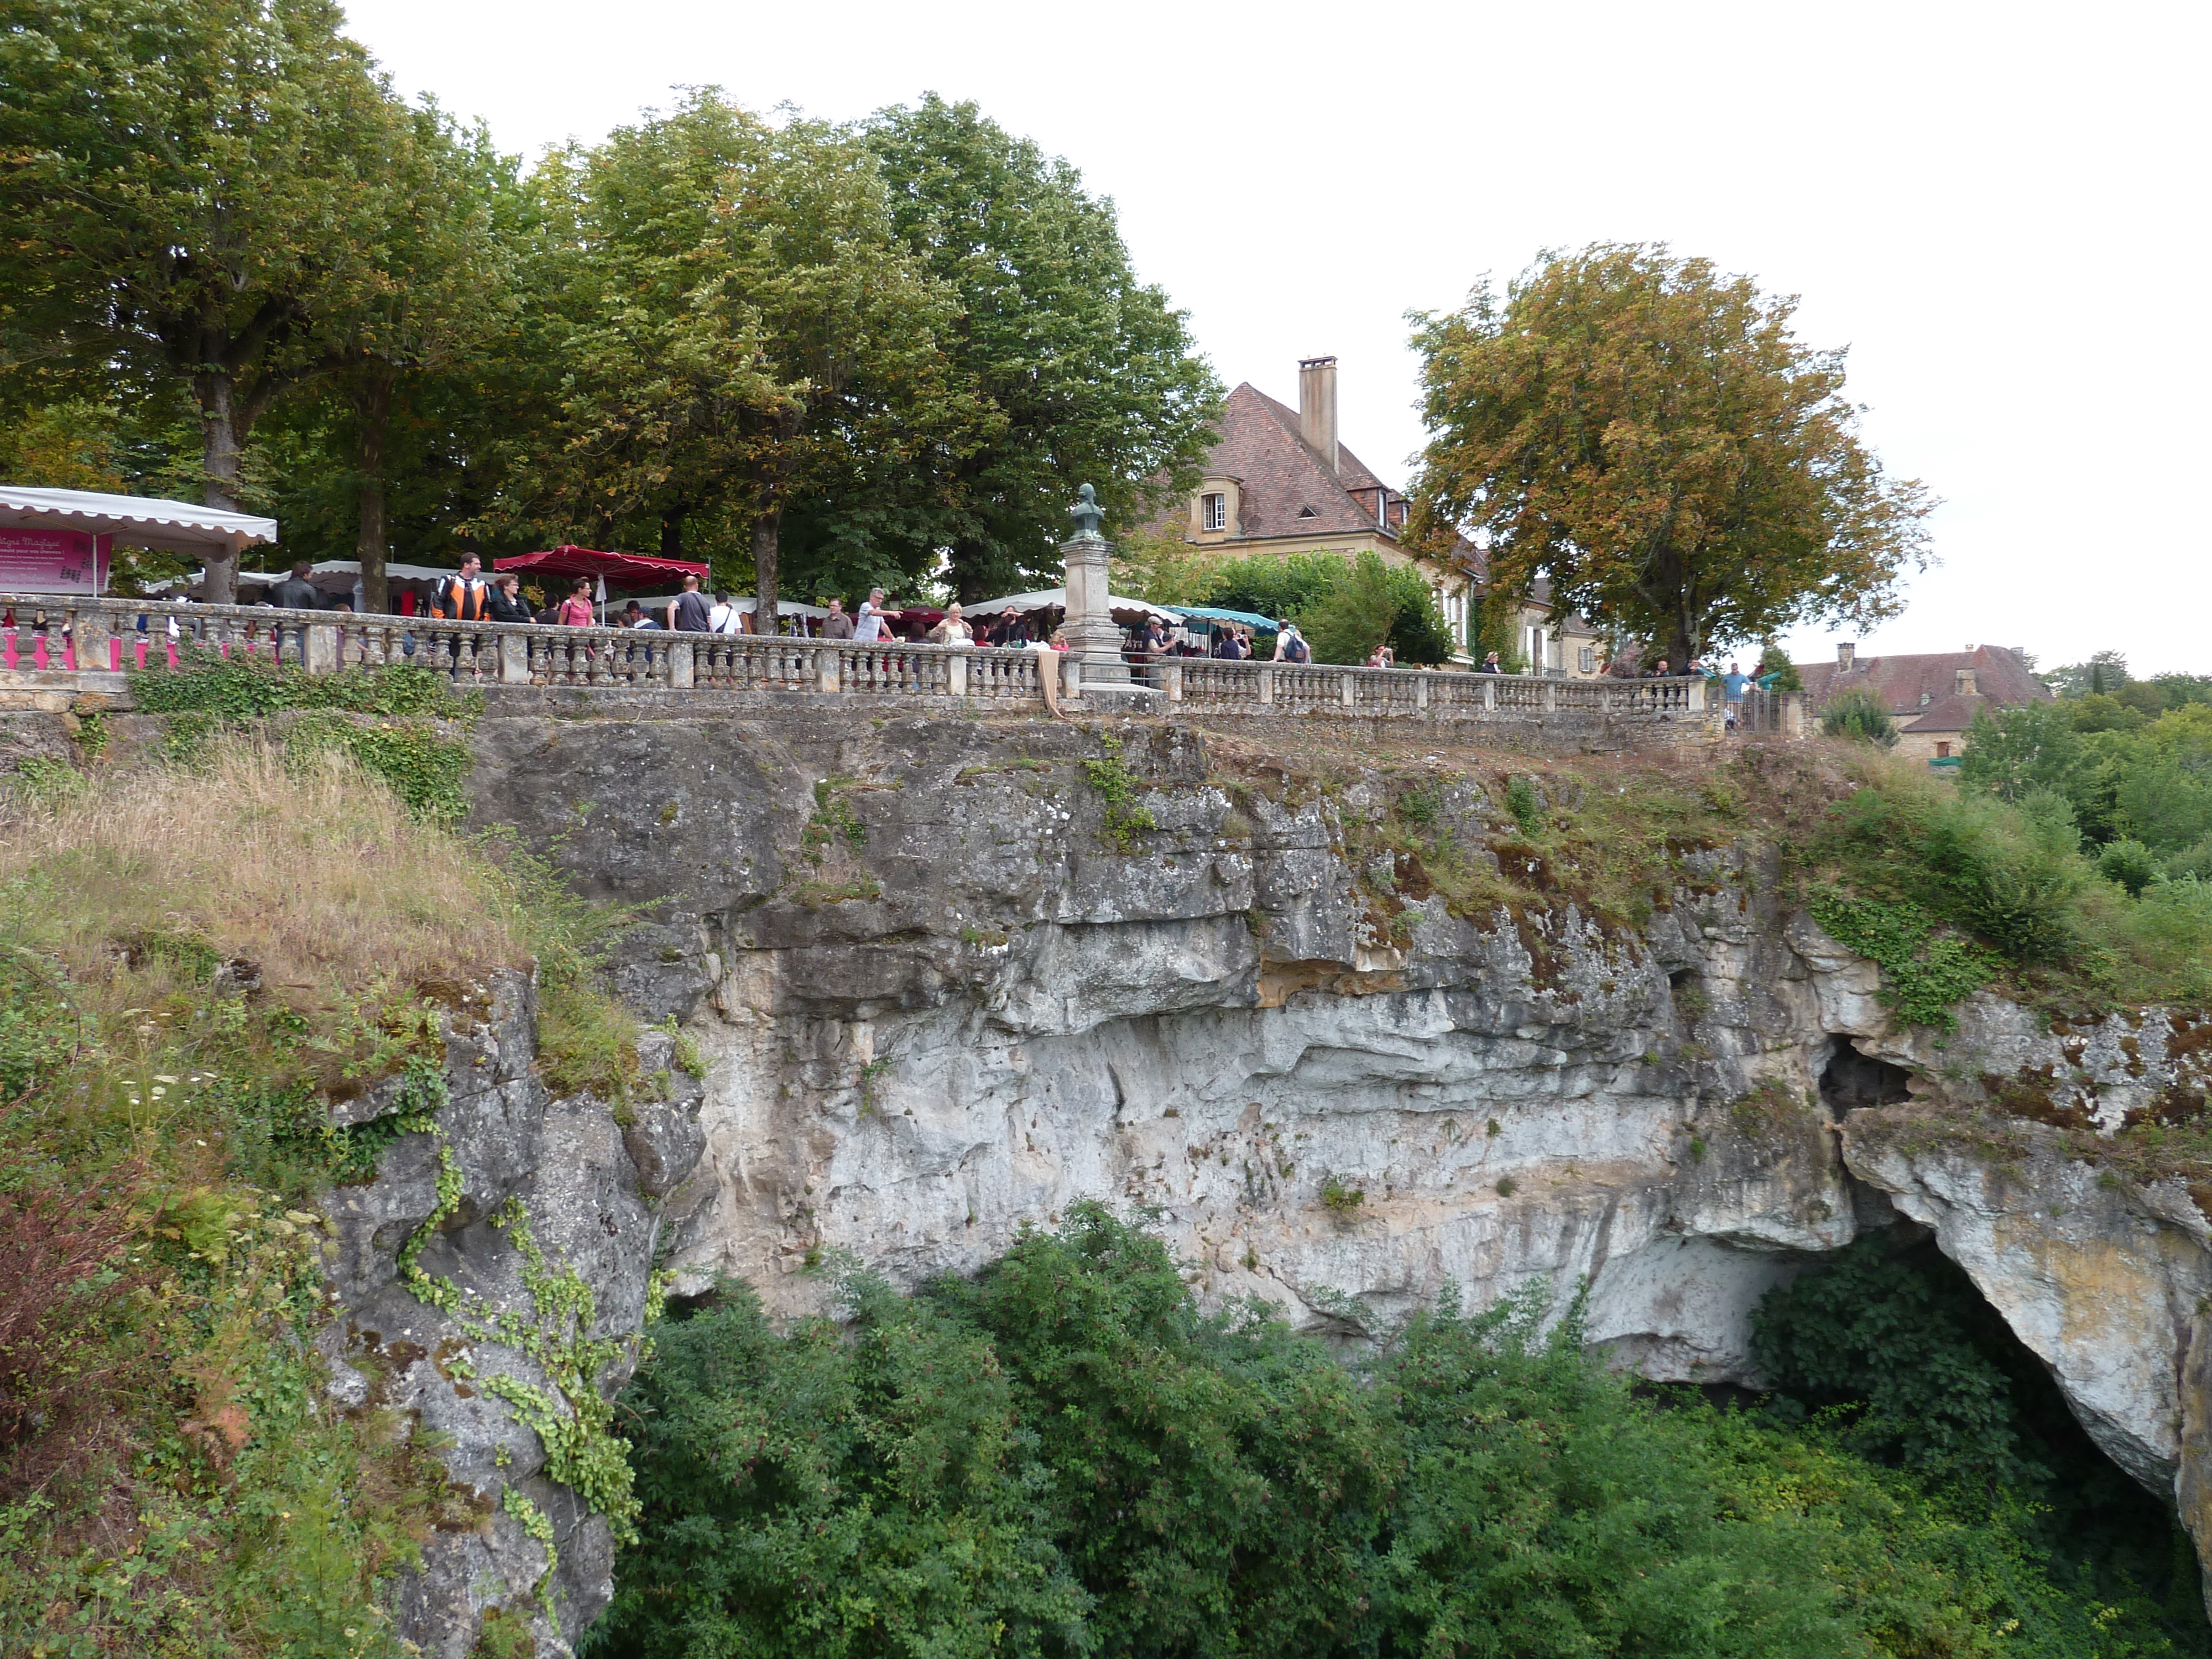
(43, 634)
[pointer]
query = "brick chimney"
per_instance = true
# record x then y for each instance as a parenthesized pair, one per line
(1317, 405)
(1962, 682)
(1845, 656)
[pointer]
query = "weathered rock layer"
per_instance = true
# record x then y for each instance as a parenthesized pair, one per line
(950, 976)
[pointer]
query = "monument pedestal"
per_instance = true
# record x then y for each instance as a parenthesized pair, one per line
(1096, 671)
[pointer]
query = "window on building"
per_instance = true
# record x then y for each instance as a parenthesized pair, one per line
(1942, 751)
(1308, 513)
(1216, 512)
(1588, 660)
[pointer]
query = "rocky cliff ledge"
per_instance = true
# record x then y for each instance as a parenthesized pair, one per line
(948, 976)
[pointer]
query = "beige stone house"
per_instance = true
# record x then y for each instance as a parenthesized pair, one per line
(1561, 647)
(1281, 480)
(1932, 698)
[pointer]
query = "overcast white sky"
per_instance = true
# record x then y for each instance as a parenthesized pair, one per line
(2001, 210)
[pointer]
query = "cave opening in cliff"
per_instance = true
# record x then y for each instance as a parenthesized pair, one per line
(1892, 1346)
(1852, 1079)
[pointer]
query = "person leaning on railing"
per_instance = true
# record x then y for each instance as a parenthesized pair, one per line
(505, 603)
(576, 610)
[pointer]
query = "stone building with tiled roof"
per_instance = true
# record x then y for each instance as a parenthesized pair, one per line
(1932, 698)
(1543, 643)
(1279, 480)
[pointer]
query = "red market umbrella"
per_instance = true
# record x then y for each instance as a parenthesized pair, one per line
(619, 570)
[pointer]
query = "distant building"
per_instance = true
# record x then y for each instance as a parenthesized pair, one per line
(1279, 480)
(1933, 699)
(1566, 646)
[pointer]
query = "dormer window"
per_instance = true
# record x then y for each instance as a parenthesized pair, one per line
(1308, 513)
(1214, 512)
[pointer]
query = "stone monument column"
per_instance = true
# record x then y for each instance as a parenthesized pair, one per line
(1094, 642)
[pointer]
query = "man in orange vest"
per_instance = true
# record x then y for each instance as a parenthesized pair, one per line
(464, 598)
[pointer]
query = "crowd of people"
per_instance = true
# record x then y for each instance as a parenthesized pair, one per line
(465, 596)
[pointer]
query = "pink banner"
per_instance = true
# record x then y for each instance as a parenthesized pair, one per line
(52, 562)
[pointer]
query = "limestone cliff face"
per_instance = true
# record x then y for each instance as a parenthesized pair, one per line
(587, 1190)
(941, 998)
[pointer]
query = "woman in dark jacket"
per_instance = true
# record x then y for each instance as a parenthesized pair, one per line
(505, 604)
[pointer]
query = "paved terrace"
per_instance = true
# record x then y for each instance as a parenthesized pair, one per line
(54, 650)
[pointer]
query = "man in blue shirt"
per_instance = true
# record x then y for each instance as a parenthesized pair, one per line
(1733, 685)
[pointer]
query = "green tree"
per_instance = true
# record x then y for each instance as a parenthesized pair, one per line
(1651, 436)
(1353, 615)
(816, 1495)
(1348, 599)
(747, 332)
(1773, 659)
(1086, 373)
(1860, 714)
(438, 290)
(2104, 671)
(2011, 752)
(193, 188)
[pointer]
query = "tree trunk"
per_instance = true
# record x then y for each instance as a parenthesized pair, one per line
(765, 532)
(373, 401)
(672, 533)
(220, 443)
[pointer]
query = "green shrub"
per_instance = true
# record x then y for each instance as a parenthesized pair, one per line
(1301, 586)
(2128, 864)
(1064, 1456)
(1861, 715)
(1353, 615)
(1526, 805)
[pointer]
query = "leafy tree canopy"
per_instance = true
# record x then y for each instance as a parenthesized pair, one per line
(193, 190)
(1087, 373)
(1343, 605)
(1650, 435)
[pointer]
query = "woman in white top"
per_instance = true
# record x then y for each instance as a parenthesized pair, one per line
(953, 630)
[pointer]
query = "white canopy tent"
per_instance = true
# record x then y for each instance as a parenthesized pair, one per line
(338, 577)
(57, 540)
(135, 521)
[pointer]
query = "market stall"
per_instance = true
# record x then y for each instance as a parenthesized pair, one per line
(58, 540)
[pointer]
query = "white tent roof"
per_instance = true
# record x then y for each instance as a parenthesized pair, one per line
(745, 603)
(1055, 598)
(136, 520)
(347, 569)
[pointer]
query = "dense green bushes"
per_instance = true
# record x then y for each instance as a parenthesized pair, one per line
(1860, 714)
(2113, 779)
(2012, 873)
(1063, 1456)
(1345, 606)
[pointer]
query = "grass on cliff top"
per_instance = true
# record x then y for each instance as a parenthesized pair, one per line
(1947, 891)
(194, 960)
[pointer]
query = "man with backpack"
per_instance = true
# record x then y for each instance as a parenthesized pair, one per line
(1290, 646)
(688, 612)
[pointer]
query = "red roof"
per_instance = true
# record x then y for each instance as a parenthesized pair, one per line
(1284, 486)
(620, 569)
(1925, 691)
